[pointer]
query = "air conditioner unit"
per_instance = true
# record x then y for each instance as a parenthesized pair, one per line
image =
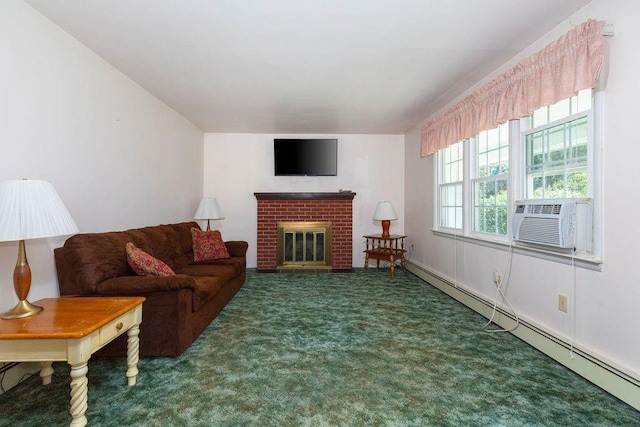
(550, 222)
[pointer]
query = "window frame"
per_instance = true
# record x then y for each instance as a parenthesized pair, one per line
(517, 188)
(474, 178)
(441, 183)
(527, 129)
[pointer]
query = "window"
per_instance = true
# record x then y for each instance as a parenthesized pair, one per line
(557, 149)
(548, 154)
(450, 183)
(491, 180)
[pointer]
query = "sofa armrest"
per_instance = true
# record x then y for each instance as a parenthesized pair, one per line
(237, 248)
(136, 285)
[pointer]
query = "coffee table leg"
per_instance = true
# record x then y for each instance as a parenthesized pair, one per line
(46, 371)
(79, 386)
(133, 354)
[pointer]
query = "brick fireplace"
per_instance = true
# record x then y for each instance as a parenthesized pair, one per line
(335, 208)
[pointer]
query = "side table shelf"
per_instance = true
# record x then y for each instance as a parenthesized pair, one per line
(390, 248)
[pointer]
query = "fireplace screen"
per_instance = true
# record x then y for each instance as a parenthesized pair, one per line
(304, 244)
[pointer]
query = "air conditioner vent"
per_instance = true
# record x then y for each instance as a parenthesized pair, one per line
(545, 209)
(540, 230)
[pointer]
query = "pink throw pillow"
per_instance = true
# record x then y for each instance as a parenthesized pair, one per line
(146, 265)
(208, 245)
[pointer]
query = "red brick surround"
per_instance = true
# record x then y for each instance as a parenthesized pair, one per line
(331, 207)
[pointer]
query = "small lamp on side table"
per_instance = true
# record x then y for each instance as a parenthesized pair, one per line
(30, 209)
(385, 213)
(209, 209)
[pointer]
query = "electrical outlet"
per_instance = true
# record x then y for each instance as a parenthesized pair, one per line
(563, 303)
(413, 247)
(497, 277)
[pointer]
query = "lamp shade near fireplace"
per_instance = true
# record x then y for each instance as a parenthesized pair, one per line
(209, 209)
(30, 209)
(384, 212)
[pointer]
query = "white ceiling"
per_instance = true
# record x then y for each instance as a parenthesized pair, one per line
(306, 66)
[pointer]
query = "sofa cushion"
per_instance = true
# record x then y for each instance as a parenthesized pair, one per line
(144, 264)
(94, 257)
(224, 272)
(183, 234)
(208, 245)
(206, 288)
(239, 264)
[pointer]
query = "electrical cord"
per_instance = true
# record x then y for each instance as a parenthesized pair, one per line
(573, 297)
(499, 293)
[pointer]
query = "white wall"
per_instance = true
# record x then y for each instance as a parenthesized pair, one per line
(118, 157)
(238, 165)
(604, 315)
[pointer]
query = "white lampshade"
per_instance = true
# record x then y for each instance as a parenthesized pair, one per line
(385, 211)
(31, 209)
(209, 208)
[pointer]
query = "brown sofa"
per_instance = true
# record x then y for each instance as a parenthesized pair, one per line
(177, 308)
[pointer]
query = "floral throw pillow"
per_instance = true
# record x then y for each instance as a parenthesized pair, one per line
(146, 265)
(208, 245)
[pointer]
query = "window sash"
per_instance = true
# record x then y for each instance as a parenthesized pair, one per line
(557, 158)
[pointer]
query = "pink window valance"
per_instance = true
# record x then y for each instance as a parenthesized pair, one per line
(559, 71)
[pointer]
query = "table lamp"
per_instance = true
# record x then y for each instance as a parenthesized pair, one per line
(385, 213)
(209, 209)
(30, 209)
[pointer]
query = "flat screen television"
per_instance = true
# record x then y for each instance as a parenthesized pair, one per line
(305, 157)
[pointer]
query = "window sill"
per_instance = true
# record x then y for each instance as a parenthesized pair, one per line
(579, 260)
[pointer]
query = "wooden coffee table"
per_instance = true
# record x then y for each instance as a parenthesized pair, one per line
(71, 330)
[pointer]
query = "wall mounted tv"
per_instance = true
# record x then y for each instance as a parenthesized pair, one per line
(305, 157)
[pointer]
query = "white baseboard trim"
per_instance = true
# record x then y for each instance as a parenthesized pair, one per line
(16, 374)
(616, 380)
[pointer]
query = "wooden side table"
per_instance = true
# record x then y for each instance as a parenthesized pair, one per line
(389, 248)
(72, 329)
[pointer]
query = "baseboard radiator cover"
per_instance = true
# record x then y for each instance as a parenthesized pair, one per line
(616, 380)
(13, 373)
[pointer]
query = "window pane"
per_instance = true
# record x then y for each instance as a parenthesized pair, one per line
(556, 164)
(493, 138)
(452, 163)
(451, 206)
(501, 227)
(458, 220)
(482, 142)
(455, 176)
(540, 117)
(504, 159)
(490, 210)
(494, 162)
(577, 184)
(584, 100)
(483, 169)
(451, 195)
(555, 144)
(560, 110)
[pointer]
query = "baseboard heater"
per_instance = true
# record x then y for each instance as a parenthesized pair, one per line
(630, 396)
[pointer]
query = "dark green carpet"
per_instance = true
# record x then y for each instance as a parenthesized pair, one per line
(333, 349)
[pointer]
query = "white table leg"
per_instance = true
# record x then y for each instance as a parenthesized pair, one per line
(133, 354)
(46, 371)
(79, 387)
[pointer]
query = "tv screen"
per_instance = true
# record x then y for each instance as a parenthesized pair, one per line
(306, 157)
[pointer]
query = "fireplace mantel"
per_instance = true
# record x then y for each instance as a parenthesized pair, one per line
(340, 195)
